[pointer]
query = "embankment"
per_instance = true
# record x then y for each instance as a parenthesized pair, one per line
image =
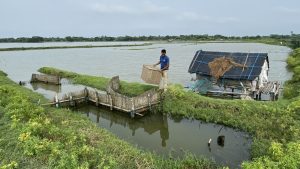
(275, 126)
(32, 136)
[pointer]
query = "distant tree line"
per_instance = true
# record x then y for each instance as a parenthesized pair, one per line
(292, 40)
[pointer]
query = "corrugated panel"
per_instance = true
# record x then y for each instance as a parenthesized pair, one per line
(253, 62)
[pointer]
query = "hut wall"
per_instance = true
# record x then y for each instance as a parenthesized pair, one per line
(263, 77)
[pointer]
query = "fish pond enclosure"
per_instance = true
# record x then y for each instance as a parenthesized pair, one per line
(110, 98)
(242, 75)
(45, 78)
(160, 133)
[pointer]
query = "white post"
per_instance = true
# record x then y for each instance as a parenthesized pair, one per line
(56, 100)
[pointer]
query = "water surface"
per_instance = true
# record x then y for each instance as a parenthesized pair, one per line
(167, 135)
(155, 132)
(162, 134)
(127, 61)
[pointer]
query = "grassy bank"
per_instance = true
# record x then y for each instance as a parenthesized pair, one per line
(70, 47)
(275, 126)
(130, 89)
(32, 136)
(292, 87)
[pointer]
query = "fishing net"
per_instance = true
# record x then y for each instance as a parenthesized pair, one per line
(202, 86)
(219, 66)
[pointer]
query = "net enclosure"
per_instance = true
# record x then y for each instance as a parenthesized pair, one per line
(226, 65)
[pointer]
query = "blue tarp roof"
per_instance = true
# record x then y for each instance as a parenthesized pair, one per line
(254, 63)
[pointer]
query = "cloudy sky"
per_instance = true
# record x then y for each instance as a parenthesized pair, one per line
(89, 18)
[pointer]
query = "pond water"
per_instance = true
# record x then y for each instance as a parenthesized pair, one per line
(127, 61)
(163, 134)
(155, 132)
(49, 44)
(167, 135)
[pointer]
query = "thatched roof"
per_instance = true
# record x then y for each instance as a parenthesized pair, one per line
(242, 66)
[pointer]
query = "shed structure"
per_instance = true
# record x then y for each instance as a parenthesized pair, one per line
(236, 74)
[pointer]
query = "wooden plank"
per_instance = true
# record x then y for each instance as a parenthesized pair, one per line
(224, 92)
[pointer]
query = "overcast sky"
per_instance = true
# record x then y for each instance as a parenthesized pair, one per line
(89, 18)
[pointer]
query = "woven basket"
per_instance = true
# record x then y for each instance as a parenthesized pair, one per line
(151, 74)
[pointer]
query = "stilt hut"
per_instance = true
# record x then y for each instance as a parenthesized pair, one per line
(242, 75)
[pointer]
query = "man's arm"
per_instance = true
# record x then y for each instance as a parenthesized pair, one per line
(156, 63)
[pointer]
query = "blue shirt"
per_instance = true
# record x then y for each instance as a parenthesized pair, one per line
(164, 61)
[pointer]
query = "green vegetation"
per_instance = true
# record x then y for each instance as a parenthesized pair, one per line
(275, 126)
(292, 87)
(67, 47)
(32, 136)
(279, 156)
(292, 40)
(129, 89)
(266, 120)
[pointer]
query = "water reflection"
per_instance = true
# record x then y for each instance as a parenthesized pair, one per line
(164, 135)
(48, 87)
(150, 124)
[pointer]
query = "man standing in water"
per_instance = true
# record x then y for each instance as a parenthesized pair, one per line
(164, 67)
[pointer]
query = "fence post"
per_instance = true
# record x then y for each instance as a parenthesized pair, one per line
(86, 92)
(56, 100)
(149, 102)
(71, 101)
(97, 98)
(132, 113)
(111, 101)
